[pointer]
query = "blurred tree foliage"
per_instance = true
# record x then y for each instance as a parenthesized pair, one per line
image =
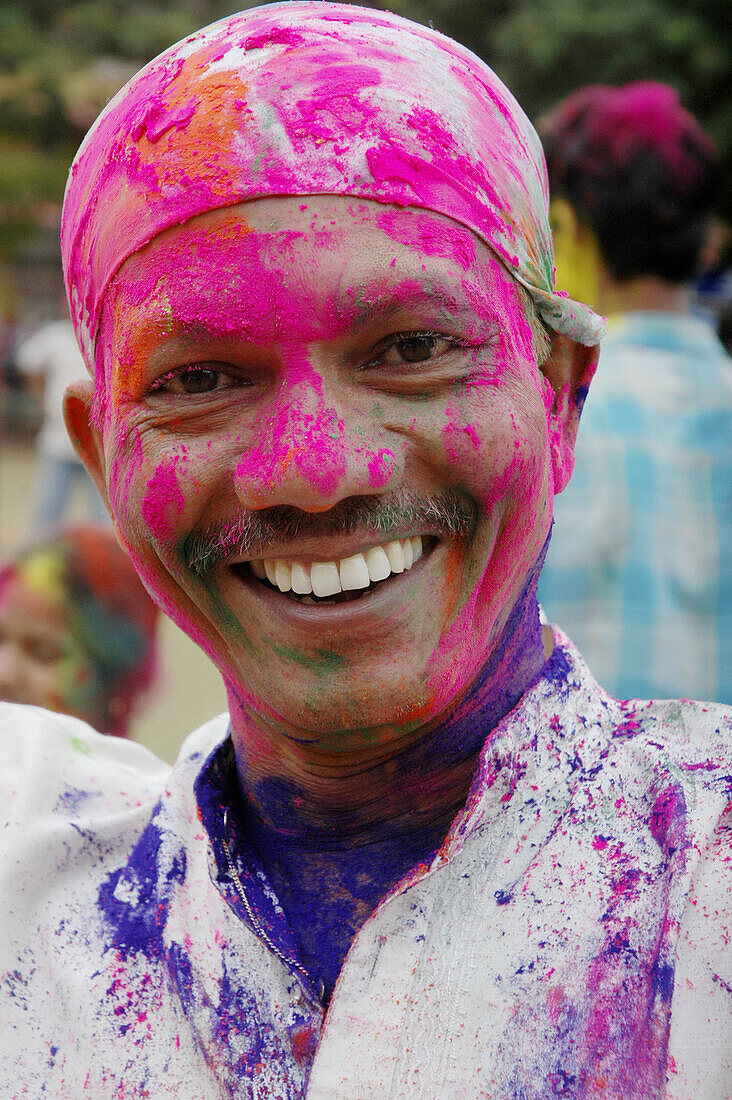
(61, 60)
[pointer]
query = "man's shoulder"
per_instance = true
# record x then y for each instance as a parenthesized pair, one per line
(643, 760)
(45, 757)
(696, 734)
(678, 744)
(693, 736)
(52, 763)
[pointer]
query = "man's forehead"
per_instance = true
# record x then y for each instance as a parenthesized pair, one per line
(265, 226)
(351, 263)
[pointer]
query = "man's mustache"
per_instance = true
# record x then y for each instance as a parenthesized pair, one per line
(449, 513)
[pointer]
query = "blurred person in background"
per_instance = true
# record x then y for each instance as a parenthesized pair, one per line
(14, 405)
(638, 570)
(48, 362)
(712, 291)
(77, 629)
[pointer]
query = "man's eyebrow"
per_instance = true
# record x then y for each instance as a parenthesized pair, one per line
(362, 304)
(357, 306)
(166, 325)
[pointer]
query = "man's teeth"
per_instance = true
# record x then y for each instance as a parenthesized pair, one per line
(328, 578)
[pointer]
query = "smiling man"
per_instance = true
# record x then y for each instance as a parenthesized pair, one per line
(332, 397)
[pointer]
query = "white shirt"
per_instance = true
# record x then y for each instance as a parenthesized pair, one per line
(570, 938)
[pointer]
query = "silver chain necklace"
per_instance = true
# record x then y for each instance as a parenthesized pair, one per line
(255, 923)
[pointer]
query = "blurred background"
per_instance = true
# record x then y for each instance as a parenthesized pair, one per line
(61, 60)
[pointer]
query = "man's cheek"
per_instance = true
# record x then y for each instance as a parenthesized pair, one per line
(462, 439)
(163, 500)
(123, 455)
(490, 451)
(148, 486)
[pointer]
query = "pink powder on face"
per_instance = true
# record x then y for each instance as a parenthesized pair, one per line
(308, 432)
(380, 468)
(403, 176)
(430, 236)
(518, 478)
(454, 437)
(303, 431)
(312, 442)
(163, 501)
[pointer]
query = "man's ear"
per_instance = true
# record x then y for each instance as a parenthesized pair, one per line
(569, 370)
(84, 434)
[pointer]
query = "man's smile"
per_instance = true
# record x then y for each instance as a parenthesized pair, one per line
(356, 615)
(348, 577)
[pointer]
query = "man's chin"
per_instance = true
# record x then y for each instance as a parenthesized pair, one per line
(362, 711)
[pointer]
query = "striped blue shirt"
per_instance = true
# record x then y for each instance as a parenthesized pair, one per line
(639, 567)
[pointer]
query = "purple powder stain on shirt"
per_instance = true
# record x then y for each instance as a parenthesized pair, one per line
(181, 972)
(667, 819)
(662, 980)
(134, 900)
(239, 1024)
(71, 801)
(558, 668)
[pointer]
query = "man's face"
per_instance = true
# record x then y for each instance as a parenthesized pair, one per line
(317, 363)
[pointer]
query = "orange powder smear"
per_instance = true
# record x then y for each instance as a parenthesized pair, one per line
(144, 337)
(125, 370)
(201, 144)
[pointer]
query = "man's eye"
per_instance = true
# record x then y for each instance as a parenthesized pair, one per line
(199, 378)
(202, 380)
(413, 347)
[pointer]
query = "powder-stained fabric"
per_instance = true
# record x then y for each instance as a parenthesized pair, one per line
(305, 99)
(570, 938)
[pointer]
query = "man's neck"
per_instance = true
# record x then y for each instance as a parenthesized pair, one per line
(333, 842)
(419, 781)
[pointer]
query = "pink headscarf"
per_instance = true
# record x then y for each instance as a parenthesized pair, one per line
(306, 98)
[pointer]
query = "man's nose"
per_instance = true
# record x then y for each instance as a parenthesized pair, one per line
(314, 450)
